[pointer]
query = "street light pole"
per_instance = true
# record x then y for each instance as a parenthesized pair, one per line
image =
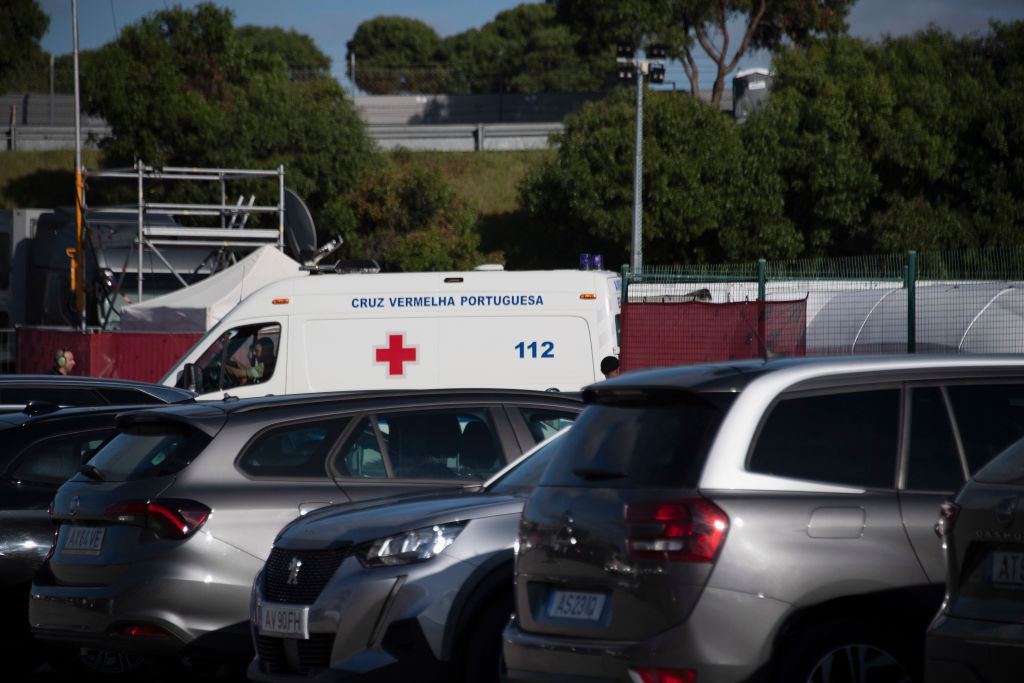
(636, 257)
(637, 70)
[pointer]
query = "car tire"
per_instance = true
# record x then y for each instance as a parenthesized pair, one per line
(846, 651)
(483, 660)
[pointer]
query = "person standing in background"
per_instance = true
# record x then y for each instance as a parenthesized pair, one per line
(63, 362)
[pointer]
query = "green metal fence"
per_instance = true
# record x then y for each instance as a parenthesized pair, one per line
(967, 301)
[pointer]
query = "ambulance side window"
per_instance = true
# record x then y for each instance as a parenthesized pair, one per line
(240, 356)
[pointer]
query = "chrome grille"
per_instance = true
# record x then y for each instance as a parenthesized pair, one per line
(313, 574)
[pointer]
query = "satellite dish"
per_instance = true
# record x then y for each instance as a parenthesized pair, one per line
(298, 227)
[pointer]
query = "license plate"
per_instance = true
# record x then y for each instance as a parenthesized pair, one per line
(575, 605)
(284, 620)
(87, 540)
(1007, 568)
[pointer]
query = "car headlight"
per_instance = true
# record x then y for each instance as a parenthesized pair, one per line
(407, 547)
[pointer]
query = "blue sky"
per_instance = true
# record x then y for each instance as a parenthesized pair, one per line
(331, 23)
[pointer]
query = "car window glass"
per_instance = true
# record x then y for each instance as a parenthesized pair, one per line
(296, 450)
(1005, 468)
(524, 477)
(362, 455)
(148, 450)
(546, 422)
(233, 360)
(848, 438)
(934, 463)
(641, 439)
(990, 417)
(57, 460)
(456, 443)
(128, 397)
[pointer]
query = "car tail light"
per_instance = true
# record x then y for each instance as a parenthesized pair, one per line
(647, 675)
(948, 513)
(689, 530)
(144, 631)
(169, 518)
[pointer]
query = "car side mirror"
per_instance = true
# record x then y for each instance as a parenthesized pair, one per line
(191, 378)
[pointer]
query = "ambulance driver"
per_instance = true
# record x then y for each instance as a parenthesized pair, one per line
(261, 363)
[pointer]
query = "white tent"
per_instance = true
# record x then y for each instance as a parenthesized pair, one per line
(198, 307)
(974, 317)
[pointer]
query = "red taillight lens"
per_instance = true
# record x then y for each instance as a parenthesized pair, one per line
(667, 675)
(689, 530)
(948, 513)
(169, 518)
(144, 630)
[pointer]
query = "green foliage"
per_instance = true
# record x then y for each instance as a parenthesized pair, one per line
(915, 143)
(701, 200)
(300, 53)
(23, 64)
(183, 88)
(686, 26)
(397, 54)
(406, 217)
(524, 50)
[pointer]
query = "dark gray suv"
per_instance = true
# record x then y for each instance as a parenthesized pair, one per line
(164, 529)
(754, 520)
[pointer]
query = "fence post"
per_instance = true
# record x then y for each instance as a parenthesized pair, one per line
(911, 302)
(762, 272)
(625, 283)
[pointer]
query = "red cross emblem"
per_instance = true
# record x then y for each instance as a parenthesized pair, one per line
(395, 354)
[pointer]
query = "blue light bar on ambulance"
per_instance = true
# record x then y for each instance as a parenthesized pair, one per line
(591, 262)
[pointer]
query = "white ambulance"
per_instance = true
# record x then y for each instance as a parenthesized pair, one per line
(488, 327)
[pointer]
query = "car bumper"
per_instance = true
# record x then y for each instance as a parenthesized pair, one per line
(385, 622)
(194, 600)
(961, 650)
(725, 640)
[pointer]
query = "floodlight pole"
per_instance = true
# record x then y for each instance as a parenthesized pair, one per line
(636, 255)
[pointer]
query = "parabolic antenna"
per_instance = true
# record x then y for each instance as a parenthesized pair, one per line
(299, 230)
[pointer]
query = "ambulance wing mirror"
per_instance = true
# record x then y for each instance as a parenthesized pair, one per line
(191, 378)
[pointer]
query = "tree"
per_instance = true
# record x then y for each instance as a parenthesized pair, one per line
(702, 200)
(397, 54)
(524, 50)
(407, 218)
(23, 64)
(182, 87)
(300, 53)
(688, 25)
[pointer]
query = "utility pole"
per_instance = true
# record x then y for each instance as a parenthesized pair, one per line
(78, 262)
(635, 69)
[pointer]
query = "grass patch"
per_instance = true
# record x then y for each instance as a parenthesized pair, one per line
(41, 180)
(487, 179)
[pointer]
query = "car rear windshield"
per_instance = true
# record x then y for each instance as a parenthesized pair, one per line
(146, 450)
(1005, 468)
(639, 438)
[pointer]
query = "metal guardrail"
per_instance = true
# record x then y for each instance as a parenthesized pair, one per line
(465, 137)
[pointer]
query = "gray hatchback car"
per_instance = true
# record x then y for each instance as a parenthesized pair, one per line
(768, 521)
(164, 529)
(413, 589)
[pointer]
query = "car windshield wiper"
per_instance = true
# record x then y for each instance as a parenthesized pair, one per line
(92, 472)
(590, 474)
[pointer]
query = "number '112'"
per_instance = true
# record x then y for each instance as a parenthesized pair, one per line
(547, 349)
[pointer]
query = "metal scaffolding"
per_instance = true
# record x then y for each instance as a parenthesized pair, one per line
(231, 233)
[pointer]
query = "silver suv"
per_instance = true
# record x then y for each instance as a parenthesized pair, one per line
(163, 530)
(768, 521)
